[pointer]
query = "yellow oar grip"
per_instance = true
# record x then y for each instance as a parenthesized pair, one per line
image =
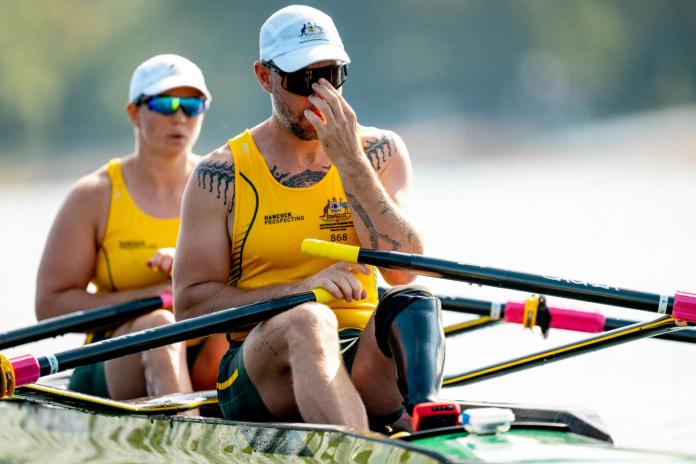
(323, 296)
(330, 250)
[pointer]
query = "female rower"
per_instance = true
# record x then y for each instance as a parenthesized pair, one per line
(117, 230)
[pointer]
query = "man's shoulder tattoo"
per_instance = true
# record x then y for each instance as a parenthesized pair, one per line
(378, 150)
(218, 175)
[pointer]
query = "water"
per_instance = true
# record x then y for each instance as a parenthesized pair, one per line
(612, 207)
(616, 230)
(608, 212)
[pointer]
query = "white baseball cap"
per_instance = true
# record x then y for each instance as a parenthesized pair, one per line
(163, 72)
(297, 36)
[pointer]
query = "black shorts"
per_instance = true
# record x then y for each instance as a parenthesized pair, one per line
(237, 395)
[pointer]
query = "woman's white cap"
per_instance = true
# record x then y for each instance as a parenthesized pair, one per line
(164, 72)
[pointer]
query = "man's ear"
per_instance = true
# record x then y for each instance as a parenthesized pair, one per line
(263, 76)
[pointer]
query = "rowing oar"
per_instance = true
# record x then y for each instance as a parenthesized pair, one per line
(663, 325)
(533, 312)
(27, 369)
(82, 321)
(682, 306)
(470, 326)
(560, 318)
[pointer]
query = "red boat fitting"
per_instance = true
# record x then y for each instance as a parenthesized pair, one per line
(434, 415)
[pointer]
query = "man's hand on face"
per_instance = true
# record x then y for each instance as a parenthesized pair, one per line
(337, 127)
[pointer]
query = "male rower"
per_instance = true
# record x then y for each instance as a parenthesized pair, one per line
(245, 213)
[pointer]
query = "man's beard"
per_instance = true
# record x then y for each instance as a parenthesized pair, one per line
(291, 122)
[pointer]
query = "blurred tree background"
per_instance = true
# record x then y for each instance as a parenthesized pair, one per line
(65, 65)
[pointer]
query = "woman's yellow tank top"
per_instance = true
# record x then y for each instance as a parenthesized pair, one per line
(271, 220)
(131, 238)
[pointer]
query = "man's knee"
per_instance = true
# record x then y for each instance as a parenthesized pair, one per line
(311, 321)
(314, 316)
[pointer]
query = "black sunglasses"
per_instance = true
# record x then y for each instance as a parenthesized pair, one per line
(300, 82)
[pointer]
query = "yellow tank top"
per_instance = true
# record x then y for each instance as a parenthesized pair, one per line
(271, 220)
(131, 238)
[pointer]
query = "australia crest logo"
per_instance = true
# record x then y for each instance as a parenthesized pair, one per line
(336, 215)
(335, 210)
(312, 31)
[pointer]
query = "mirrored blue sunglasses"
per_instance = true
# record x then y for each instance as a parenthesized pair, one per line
(166, 104)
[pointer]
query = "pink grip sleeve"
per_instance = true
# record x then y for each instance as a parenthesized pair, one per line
(26, 369)
(568, 319)
(167, 299)
(684, 307)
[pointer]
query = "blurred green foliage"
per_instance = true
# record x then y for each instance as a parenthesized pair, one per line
(65, 65)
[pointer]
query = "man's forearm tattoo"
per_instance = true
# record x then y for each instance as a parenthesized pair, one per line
(217, 174)
(378, 150)
(375, 236)
(306, 178)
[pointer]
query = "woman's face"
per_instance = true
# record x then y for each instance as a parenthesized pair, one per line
(169, 135)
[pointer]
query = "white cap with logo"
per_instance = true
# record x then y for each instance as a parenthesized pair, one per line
(297, 36)
(164, 72)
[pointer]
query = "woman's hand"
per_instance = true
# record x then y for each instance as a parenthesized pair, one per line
(163, 261)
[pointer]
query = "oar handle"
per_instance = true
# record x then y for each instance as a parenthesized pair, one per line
(26, 369)
(323, 296)
(88, 319)
(684, 306)
(330, 250)
(167, 299)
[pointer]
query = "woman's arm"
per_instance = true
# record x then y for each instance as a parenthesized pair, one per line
(69, 258)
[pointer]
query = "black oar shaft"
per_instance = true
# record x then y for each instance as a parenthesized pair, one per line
(687, 335)
(221, 321)
(468, 305)
(622, 335)
(79, 321)
(567, 288)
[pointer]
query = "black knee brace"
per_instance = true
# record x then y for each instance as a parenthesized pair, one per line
(408, 328)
